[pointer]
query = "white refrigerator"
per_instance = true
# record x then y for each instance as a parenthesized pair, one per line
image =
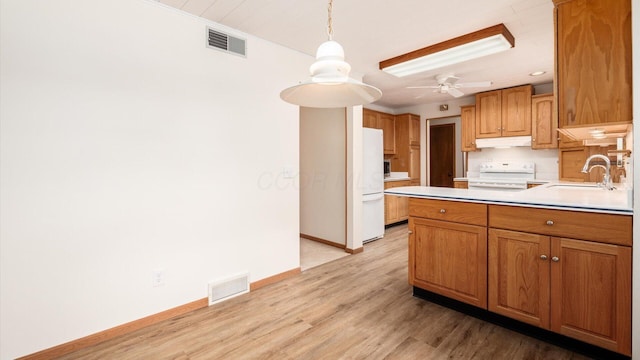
(372, 185)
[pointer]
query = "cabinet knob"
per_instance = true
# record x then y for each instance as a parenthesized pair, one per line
(555, 259)
(442, 211)
(543, 257)
(549, 222)
(409, 232)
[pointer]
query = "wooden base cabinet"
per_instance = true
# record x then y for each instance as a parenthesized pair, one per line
(591, 293)
(396, 208)
(519, 276)
(448, 256)
(578, 288)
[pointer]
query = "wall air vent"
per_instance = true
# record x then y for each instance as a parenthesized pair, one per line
(227, 288)
(227, 43)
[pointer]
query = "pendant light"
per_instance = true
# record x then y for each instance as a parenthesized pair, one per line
(330, 85)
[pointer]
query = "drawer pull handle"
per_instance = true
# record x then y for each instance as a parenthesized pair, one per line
(549, 222)
(543, 257)
(442, 211)
(555, 259)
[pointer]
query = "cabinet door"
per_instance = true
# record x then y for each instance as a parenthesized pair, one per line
(449, 259)
(468, 122)
(414, 130)
(414, 164)
(488, 114)
(459, 184)
(516, 111)
(370, 119)
(388, 132)
(544, 127)
(519, 276)
(591, 293)
(594, 67)
(570, 163)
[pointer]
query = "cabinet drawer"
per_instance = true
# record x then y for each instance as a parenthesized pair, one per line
(606, 228)
(460, 212)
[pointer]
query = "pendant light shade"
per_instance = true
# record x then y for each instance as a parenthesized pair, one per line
(330, 85)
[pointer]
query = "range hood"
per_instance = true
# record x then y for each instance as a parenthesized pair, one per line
(503, 142)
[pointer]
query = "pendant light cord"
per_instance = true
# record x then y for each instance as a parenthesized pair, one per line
(329, 21)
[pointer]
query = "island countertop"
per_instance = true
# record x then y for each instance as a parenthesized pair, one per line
(549, 196)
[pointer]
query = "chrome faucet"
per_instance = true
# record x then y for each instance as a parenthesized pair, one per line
(606, 178)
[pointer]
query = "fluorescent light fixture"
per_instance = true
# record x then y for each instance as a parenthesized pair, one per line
(537, 73)
(481, 43)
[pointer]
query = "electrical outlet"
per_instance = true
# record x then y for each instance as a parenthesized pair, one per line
(157, 277)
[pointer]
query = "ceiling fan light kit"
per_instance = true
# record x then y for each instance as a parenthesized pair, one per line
(474, 45)
(330, 85)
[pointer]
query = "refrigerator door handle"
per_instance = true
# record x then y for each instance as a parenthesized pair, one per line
(372, 197)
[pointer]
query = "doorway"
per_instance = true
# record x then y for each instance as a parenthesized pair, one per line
(442, 159)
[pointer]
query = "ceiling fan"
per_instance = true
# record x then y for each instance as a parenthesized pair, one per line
(447, 84)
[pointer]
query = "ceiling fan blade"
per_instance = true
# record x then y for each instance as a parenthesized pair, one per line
(455, 92)
(424, 87)
(475, 84)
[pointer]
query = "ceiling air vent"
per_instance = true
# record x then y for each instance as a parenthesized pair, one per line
(225, 42)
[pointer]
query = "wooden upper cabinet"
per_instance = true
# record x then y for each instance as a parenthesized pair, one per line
(516, 111)
(414, 130)
(389, 133)
(385, 122)
(407, 155)
(370, 119)
(544, 125)
(468, 122)
(505, 112)
(488, 114)
(593, 50)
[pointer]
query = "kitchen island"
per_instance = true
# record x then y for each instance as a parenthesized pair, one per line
(555, 257)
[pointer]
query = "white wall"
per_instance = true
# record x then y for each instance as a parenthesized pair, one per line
(323, 174)
(127, 145)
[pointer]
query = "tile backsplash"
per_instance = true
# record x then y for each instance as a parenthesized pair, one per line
(546, 160)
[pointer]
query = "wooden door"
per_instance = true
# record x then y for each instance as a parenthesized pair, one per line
(519, 276)
(488, 114)
(468, 124)
(516, 111)
(449, 259)
(544, 124)
(442, 158)
(591, 293)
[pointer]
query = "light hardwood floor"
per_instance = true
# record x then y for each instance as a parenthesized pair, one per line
(356, 307)
(313, 253)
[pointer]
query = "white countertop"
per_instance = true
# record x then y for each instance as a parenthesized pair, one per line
(545, 196)
(397, 176)
(536, 181)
